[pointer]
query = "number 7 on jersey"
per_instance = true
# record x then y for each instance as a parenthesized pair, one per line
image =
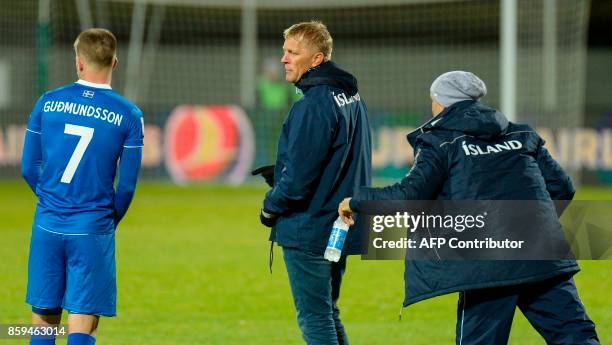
(85, 134)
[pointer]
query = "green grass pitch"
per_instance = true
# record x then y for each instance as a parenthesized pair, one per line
(192, 268)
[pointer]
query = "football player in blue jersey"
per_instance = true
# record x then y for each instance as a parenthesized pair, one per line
(76, 137)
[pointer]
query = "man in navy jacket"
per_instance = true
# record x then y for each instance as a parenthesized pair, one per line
(324, 155)
(446, 168)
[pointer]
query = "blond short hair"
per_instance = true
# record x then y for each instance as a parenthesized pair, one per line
(314, 33)
(97, 46)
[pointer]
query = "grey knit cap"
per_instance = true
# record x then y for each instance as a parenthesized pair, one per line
(456, 86)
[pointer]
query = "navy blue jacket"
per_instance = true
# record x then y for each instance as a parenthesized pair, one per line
(324, 155)
(450, 164)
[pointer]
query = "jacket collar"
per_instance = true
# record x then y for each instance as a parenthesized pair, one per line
(328, 73)
(470, 117)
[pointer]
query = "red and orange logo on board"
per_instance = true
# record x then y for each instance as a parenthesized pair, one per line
(204, 143)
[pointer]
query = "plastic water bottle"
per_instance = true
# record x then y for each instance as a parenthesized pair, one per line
(336, 240)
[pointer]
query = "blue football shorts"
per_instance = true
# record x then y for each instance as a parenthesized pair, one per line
(74, 272)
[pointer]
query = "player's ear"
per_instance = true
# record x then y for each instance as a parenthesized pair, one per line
(80, 65)
(318, 59)
(115, 62)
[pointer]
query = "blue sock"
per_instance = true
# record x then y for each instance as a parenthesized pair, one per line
(42, 341)
(81, 339)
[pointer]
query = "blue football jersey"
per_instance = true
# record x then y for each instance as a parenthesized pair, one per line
(84, 128)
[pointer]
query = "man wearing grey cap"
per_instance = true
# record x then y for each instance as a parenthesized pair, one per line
(451, 164)
(457, 86)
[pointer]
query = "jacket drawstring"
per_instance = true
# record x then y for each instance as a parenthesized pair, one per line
(271, 254)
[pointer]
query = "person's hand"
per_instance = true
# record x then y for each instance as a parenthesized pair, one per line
(267, 172)
(345, 212)
(267, 219)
